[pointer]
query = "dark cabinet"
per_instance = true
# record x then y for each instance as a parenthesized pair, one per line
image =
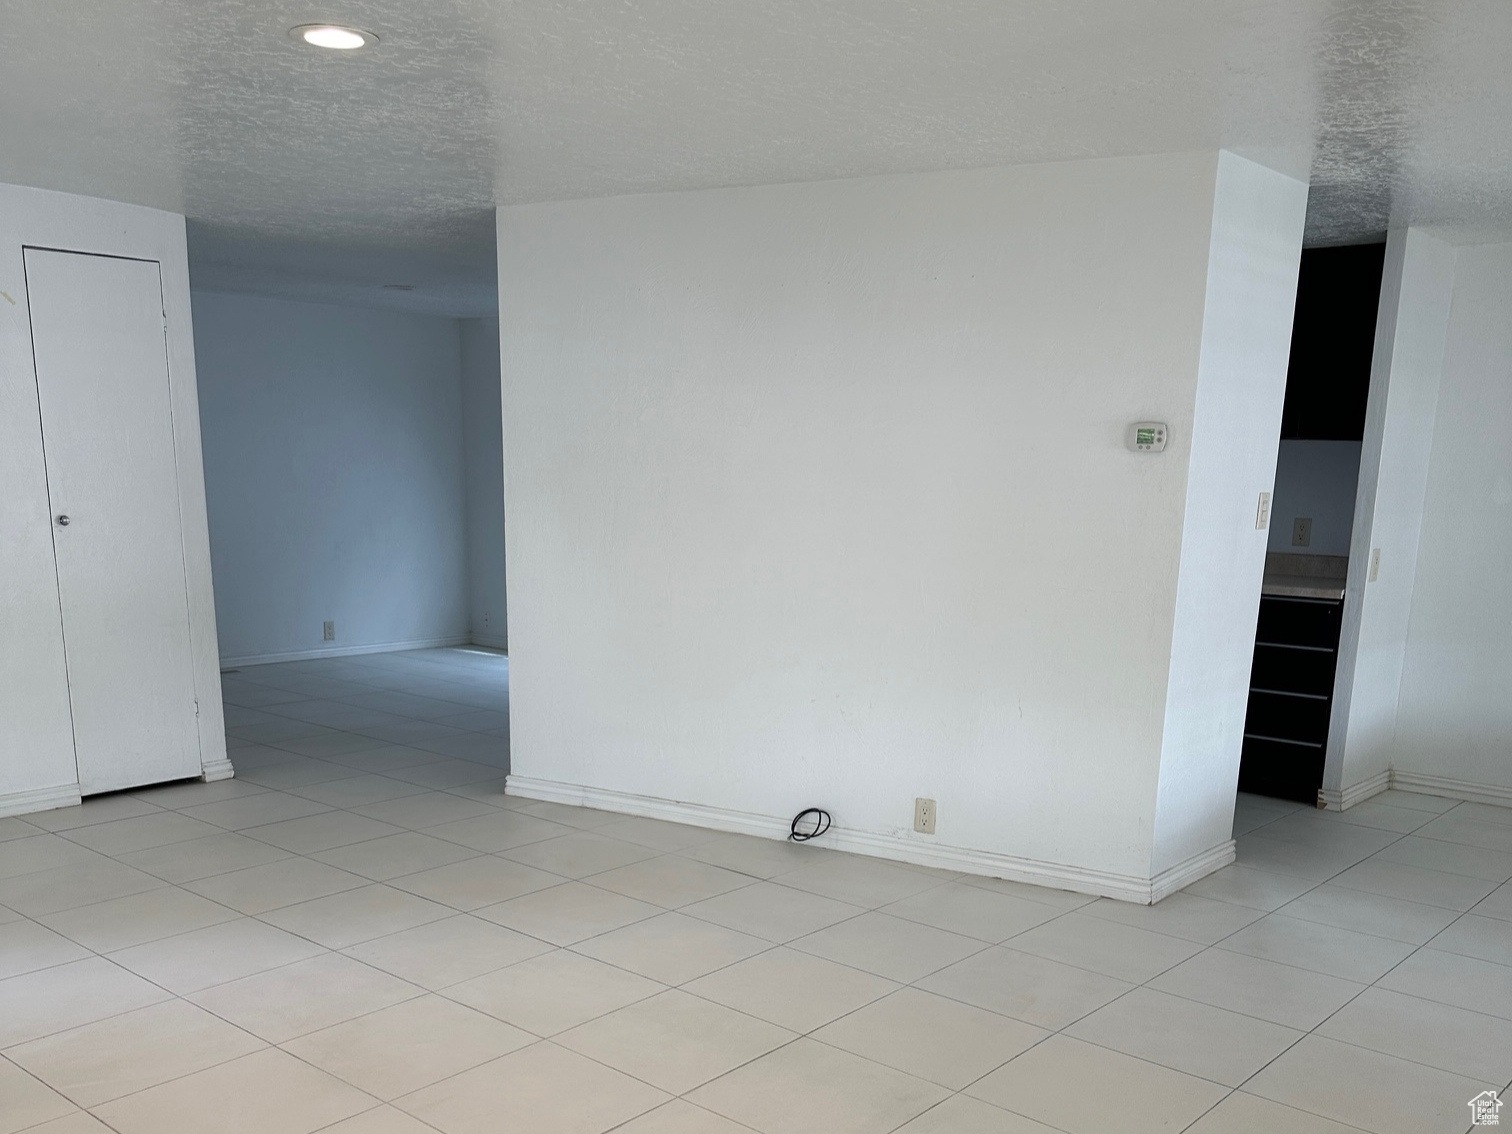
(1290, 698)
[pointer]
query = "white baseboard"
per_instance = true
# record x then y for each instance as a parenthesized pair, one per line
(39, 799)
(1184, 873)
(1346, 798)
(1441, 786)
(881, 844)
(218, 770)
(345, 651)
(1452, 789)
(491, 642)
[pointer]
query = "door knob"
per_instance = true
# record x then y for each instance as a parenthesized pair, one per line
(62, 521)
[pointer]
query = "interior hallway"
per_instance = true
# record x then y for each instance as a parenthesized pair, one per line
(361, 934)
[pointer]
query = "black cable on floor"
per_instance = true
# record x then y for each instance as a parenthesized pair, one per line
(821, 823)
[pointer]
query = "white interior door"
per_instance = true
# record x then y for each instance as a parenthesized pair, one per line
(107, 433)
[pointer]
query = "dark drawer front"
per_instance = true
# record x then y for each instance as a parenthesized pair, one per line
(1285, 771)
(1287, 718)
(1299, 622)
(1292, 670)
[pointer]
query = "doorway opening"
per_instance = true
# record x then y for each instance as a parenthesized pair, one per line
(350, 411)
(1312, 516)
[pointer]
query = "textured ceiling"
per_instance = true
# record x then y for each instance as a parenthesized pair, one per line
(313, 170)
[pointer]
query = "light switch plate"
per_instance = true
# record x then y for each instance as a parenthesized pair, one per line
(1262, 512)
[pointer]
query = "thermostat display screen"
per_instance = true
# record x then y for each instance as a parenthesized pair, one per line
(1148, 436)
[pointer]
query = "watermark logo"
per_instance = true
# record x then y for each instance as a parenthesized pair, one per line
(1485, 1109)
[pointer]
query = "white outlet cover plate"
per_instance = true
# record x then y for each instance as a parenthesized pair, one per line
(924, 816)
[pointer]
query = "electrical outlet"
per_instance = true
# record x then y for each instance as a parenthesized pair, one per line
(485, 619)
(329, 629)
(1262, 512)
(1302, 532)
(1375, 564)
(924, 816)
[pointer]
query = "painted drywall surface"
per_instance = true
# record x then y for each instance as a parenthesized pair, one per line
(818, 495)
(1315, 479)
(334, 467)
(1454, 718)
(484, 446)
(36, 734)
(1416, 287)
(1258, 217)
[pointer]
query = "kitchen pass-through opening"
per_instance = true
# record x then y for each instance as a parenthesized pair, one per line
(1312, 515)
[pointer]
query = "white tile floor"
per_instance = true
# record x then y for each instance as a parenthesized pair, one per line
(360, 934)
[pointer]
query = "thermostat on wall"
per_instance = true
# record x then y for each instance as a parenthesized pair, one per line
(1148, 436)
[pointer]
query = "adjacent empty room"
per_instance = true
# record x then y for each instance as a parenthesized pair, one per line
(697, 568)
(353, 480)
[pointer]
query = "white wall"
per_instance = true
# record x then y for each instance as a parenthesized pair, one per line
(36, 737)
(818, 495)
(334, 462)
(1316, 479)
(1251, 295)
(1416, 286)
(1454, 722)
(487, 606)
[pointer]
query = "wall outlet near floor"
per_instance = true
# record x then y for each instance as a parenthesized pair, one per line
(329, 629)
(1302, 532)
(924, 816)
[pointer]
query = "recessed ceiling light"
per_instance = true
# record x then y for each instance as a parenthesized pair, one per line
(333, 36)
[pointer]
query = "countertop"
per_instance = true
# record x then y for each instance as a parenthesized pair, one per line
(1289, 575)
